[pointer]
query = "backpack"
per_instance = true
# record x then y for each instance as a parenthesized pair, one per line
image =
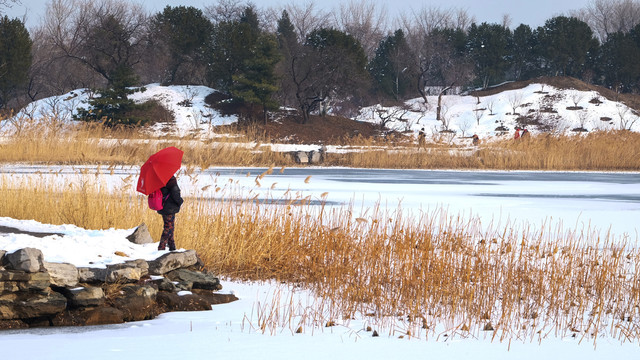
(156, 200)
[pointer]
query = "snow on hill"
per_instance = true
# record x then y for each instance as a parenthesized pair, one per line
(537, 107)
(187, 103)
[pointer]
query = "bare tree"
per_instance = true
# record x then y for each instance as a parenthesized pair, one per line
(609, 16)
(435, 59)
(506, 21)
(583, 117)
(102, 35)
(306, 18)
(443, 110)
(627, 117)
(576, 97)
(363, 20)
(477, 113)
(8, 3)
(515, 100)
(465, 126)
(490, 105)
(225, 10)
(393, 113)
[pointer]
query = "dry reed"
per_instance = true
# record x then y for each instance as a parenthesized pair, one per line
(425, 276)
(54, 143)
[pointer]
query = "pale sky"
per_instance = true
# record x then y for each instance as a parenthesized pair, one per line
(530, 12)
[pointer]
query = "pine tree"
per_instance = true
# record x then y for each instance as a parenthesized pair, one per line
(619, 62)
(566, 44)
(112, 106)
(186, 34)
(389, 67)
(522, 51)
(487, 46)
(256, 84)
(15, 58)
(232, 45)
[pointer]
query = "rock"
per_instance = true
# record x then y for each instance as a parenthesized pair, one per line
(84, 296)
(103, 316)
(141, 235)
(131, 271)
(12, 324)
(2, 252)
(165, 284)
(215, 298)
(172, 261)
(85, 317)
(27, 259)
(301, 157)
(91, 275)
(12, 281)
(195, 280)
(137, 303)
(315, 157)
(31, 305)
(174, 302)
(63, 275)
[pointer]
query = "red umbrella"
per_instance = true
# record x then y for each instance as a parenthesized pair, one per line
(160, 167)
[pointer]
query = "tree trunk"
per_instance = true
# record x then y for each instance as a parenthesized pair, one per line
(440, 101)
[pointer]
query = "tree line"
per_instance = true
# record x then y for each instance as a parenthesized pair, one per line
(301, 56)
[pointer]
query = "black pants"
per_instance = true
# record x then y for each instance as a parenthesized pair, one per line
(167, 232)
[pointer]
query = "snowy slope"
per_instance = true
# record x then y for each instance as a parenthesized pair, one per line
(468, 115)
(464, 116)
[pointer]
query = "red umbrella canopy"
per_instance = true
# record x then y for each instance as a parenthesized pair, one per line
(160, 167)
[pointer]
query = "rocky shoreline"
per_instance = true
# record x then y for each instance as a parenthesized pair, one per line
(36, 293)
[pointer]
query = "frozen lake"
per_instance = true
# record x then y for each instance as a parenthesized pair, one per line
(575, 200)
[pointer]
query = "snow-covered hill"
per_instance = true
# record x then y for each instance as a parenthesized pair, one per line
(187, 103)
(537, 107)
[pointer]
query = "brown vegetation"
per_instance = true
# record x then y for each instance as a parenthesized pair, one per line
(402, 271)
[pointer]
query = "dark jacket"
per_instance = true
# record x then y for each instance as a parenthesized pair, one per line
(172, 203)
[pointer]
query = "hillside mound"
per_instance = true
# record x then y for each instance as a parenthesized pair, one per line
(565, 83)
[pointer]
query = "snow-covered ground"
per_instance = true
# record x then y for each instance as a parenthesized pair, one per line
(579, 201)
(560, 110)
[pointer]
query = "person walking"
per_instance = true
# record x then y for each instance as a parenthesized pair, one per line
(422, 142)
(170, 207)
(517, 134)
(475, 140)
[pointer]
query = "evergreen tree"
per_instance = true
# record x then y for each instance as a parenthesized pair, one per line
(232, 45)
(566, 44)
(257, 83)
(488, 47)
(15, 58)
(522, 52)
(289, 49)
(185, 33)
(389, 68)
(112, 106)
(620, 62)
(286, 32)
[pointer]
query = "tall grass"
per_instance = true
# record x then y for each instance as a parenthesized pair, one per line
(95, 144)
(599, 151)
(420, 273)
(92, 144)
